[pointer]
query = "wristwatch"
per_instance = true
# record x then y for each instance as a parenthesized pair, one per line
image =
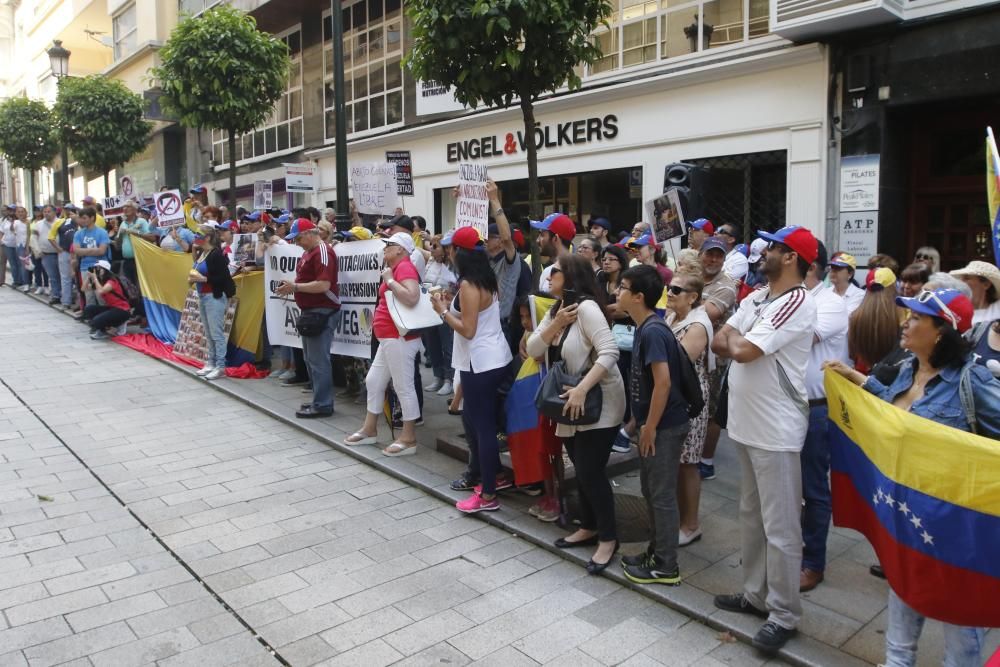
(497, 213)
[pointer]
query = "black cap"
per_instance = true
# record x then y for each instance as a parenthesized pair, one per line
(403, 221)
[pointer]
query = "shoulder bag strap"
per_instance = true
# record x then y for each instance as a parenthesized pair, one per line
(967, 397)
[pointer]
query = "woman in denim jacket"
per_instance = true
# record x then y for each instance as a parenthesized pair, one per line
(930, 385)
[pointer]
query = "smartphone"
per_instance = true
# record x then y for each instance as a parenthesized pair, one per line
(569, 297)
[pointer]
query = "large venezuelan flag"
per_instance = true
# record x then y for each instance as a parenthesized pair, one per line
(926, 496)
(993, 191)
(524, 434)
(163, 281)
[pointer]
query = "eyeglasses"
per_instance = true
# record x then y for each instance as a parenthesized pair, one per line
(919, 256)
(927, 296)
(611, 258)
(677, 290)
(724, 232)
(622, 288)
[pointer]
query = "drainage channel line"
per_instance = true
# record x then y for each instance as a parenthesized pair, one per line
(270, 649)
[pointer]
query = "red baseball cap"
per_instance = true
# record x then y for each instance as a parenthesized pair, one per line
(467, 237)
(799, 239)
(299, 226)
(518, 237)
(559, 224)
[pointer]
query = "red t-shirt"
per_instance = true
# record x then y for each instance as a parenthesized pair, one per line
(320, 263)
(382, 324)
(114, 298)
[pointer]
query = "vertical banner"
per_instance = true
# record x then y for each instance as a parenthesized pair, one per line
(359, 265)
(404, 171)
(473, 207)
(263, 195)
(359, 268)
(373, 186)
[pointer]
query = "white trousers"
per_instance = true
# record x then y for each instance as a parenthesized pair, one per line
(394, 361)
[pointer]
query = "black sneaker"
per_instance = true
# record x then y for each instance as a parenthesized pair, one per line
(638, 560)
(650, 572)
(771, 637)
(706, 471)
(464, 483)
(294, 382)
(738, 604)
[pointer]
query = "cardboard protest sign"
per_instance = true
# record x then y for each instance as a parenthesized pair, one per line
(404, 171)
(169, 208)
(374, 189)
(473, 207)
(665, 216)
(263, 195)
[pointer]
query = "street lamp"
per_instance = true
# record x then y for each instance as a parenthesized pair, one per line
(59, 62)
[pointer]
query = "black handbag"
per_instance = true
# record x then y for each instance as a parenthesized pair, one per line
(311, 323)
(549, 402)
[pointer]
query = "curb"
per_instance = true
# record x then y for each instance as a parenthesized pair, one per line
(692, 602)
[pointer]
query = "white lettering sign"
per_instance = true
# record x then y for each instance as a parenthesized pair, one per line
(859, 183)
(300, 178)
(859, 234)
(473, 206)
(374, 188)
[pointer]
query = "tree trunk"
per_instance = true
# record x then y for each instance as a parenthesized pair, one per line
(31, 190)
(232, 171)
(534, 206)
(107, 187)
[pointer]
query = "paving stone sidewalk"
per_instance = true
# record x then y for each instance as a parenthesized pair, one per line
(332, 559)
(147, 519)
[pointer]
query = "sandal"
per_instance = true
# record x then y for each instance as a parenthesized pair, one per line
(400, 449)
(360, 438)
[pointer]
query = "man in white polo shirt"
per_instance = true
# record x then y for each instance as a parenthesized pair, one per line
(769, 340)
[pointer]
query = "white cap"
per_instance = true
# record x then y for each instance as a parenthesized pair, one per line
(757, 249)
(402, 239)
(104, 264)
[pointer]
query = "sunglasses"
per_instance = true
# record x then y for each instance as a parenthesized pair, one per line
(677, 290)
(724, 232)
(923, 257)
(927, 296)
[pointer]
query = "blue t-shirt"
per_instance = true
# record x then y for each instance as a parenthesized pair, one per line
(655, 342)
(92, 238)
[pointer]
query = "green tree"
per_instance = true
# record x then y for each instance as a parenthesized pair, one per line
(492, 53)
(218, 71)
(101, 121)
(27, 137)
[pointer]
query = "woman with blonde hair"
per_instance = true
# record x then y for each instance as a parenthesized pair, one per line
(874, 327)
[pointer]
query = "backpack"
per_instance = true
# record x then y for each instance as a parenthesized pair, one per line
(132, 293)
(690, 385)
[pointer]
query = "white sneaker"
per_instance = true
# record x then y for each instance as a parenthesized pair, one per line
(215, 374)
(122, 329)
(208, 368)
(434, 386)
(447, 389)
(287, 375)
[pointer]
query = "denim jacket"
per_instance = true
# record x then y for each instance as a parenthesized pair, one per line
(941, 401)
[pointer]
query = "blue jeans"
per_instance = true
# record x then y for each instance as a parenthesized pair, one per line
(962, 645)
(316, 350)
(213, 318)
(815, 459)
(13, 257)
(438, 343)
(50, 262)
(480, 411)
(66, 278)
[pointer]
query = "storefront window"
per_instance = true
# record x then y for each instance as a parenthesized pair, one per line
(283, 130)
(649, 31)
(373, 76)
(748, 190)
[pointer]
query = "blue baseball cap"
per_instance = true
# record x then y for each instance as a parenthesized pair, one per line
(446, 239)
(284, 217)
(799, 239)
(198, 190)
(299, 226)
(712, 243)
(559, 224)
(743, 249)
(255, 216)
(704, 224)
(600, 222)
(948, 304)
(645, 239)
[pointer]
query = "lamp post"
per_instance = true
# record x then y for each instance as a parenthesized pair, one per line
(343, 219)
(59, 62)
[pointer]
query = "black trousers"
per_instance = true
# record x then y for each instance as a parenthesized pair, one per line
(589, 451)
(105, 317)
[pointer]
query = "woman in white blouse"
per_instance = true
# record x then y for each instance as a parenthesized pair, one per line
(576, 330)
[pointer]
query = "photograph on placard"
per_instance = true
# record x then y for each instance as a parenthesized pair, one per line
(666, 216)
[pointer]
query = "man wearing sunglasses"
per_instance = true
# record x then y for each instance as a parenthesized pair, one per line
(769, 340)
(737, 264)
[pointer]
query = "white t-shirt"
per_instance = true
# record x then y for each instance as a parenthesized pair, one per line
(987, 314)
(417, 258)
(852, 297)
(768, 406)
(543, 279)
(831, 329)
(736, 265)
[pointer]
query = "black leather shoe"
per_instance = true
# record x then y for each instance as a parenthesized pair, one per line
(738, 603)
(771, 637)
(563, 543)
(309, 412)
(593, 567)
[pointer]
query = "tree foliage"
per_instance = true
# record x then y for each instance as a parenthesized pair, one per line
(102, 121)
(219, 71)
(27, 133)
(492, 52)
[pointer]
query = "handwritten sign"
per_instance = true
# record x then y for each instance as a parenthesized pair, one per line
(169, 209)
(473, 207)
(374, 188)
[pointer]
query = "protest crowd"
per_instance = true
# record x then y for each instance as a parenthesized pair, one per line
(626, 347)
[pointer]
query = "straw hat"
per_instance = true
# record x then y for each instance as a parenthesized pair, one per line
(983, 270)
